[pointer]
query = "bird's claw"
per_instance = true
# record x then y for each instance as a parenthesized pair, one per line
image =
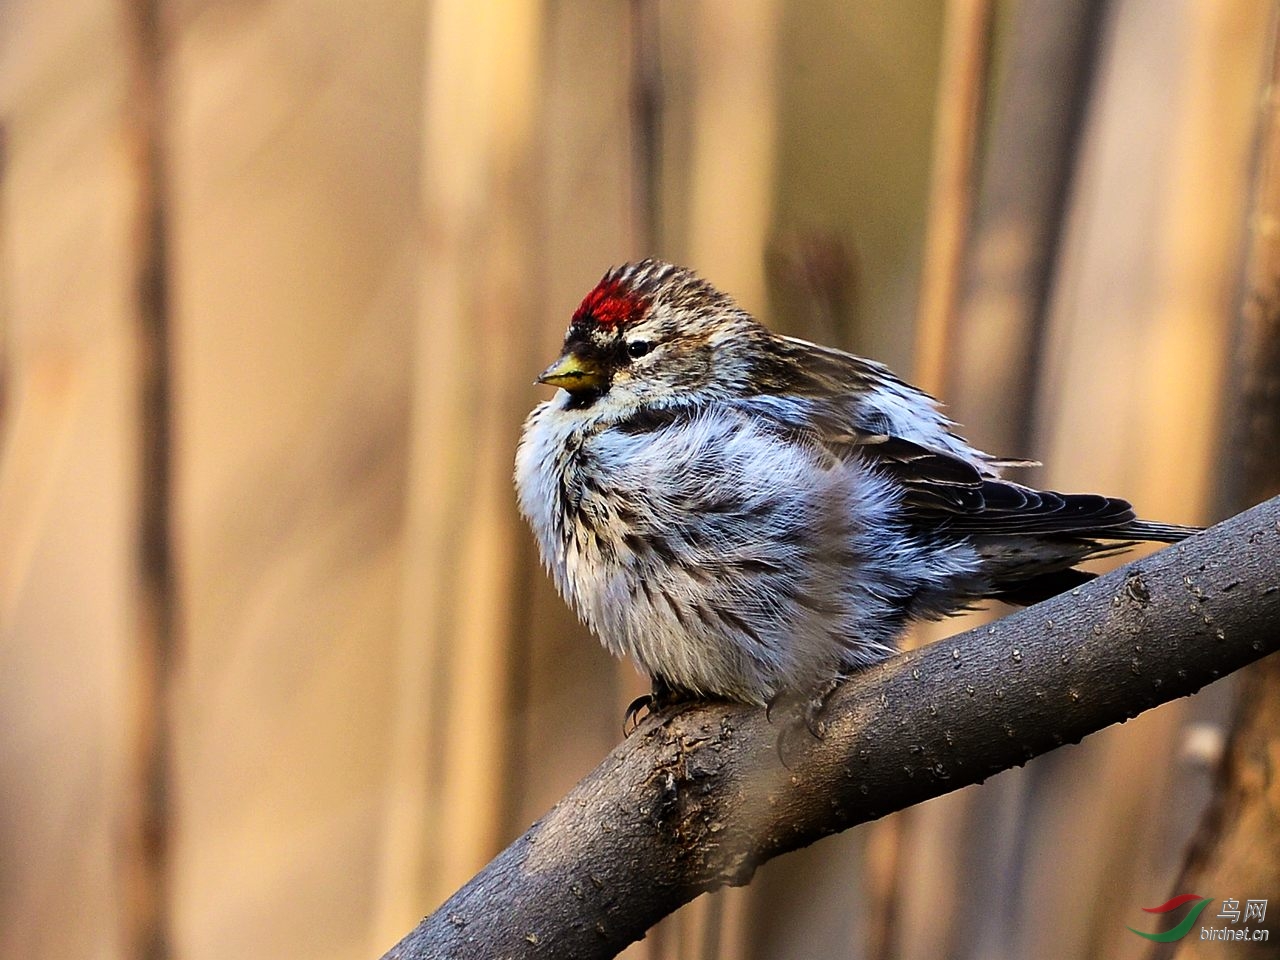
(637, 711)
(778, 699)
(814, 709)
(664, 695)
(809, 713)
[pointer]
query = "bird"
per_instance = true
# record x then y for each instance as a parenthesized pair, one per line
(750, 516)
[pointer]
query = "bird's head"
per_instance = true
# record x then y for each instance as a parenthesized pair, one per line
(652, 332)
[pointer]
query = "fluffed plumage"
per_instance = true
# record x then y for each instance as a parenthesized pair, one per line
(746, 514)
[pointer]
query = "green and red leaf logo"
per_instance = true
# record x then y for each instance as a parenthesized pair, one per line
(1182, 929)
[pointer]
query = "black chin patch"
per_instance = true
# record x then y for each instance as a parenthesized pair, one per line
(583, 399)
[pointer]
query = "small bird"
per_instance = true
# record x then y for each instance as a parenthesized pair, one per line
(750, 516)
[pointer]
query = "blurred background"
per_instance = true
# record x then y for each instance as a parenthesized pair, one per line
(279, 669)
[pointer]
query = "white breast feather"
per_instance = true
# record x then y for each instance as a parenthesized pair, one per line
(804, 578)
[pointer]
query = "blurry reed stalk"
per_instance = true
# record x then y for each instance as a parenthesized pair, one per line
(145, 860)
(450, 736)
(961, 100)
(961, 108)
(979, 342)
(1234, 848)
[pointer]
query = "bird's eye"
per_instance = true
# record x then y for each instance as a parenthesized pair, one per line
(638, 348)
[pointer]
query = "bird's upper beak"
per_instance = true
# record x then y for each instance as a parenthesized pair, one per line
(574, 373)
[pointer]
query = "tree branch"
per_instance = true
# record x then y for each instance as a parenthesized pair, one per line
(697, 798)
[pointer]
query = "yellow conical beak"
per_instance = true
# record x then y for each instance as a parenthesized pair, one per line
(572, 372)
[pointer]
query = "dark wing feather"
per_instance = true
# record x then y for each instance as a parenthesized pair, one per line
(943, 490)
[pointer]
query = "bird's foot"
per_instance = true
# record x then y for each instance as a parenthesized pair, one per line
(804, 710)
(641, 708)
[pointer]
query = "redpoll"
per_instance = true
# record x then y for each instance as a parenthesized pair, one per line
(747, 515)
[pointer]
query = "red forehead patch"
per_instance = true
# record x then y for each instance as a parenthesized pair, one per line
(610, 304)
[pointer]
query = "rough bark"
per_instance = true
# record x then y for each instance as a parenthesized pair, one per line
(697, 798)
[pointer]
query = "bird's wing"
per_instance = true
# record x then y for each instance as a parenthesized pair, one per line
(857, 408)
(942, 489)
(855, 394)
(939, 489)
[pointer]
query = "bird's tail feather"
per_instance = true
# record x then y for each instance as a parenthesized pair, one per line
(1151, 530)
(1041, 568)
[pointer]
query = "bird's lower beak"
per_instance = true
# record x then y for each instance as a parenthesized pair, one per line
(573, 373)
